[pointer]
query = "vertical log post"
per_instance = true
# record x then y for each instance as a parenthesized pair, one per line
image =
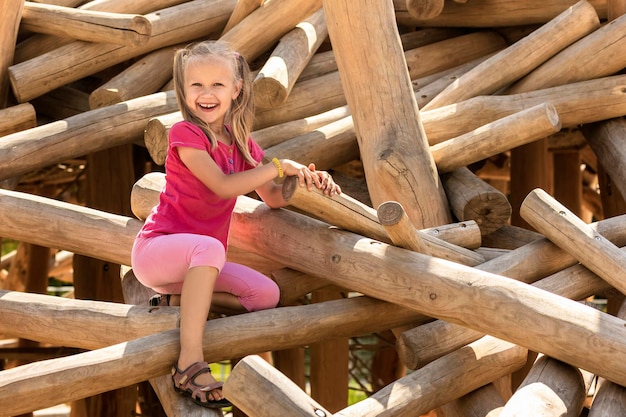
(393, 145)
(11, 13)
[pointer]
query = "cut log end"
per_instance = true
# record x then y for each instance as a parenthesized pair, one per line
(390, 213)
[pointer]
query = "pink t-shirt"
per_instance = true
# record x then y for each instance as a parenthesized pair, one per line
(186, 205)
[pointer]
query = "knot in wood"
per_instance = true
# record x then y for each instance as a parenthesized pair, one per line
(319, 413)
(433, 296)
(336, 258)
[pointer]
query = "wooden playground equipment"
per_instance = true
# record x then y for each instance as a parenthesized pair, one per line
(480, 145)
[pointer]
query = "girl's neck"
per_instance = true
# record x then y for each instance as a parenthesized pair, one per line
(222, 134)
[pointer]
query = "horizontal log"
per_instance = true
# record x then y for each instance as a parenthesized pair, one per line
(576, 103)
(399, 228)
(486, 401)
(517, 129)
(496, 13)
(441, 381)
(76, 60)
(241, 335)
(86, 132)
(570, 233)
(521, 57)
(86, 25)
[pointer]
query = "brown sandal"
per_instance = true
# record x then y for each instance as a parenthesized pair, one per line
(185, 385)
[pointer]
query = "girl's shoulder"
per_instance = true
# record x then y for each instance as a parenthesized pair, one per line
(186, 133)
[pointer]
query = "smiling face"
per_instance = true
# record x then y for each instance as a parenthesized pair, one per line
(210, 88)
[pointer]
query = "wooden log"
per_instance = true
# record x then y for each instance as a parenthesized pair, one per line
(267, 24)
(242, 335)
(474, 199)
(39, 44)
(596, 55)
(11, 12)
(182, 23)
(276, 78)
(242, 9)
(609, 400)
(385, 149)
(398, 226)
(576, 103)
(288, 398)
(59, 141)
(295, 284)
(551, 388)
(561, 226)
(419, 9)
(142, 78)
(86, 25)
(86, 323)
(604, 140)
(483, 402)
(441, 381)
(343, 211)
(496, 13)
(520, 128)
(62, 103)
(509, 237)
(522, 57)
(17, 118)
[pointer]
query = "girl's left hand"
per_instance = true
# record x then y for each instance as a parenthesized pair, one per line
(322, 180)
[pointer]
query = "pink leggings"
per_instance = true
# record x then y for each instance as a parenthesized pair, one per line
(161, 263)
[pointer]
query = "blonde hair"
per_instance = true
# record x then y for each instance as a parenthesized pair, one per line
(241, 114)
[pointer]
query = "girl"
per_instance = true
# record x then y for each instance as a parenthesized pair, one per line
(181, 249)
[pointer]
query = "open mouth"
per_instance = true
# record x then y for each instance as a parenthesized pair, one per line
(207, 106)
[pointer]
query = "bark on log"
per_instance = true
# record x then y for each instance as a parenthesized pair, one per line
(142, 78)
(377, 110)
(551, 388)
(523, 56)
(17, 118)
(287, 398)
(11, 12)
(606, 139)
(576, 103)
(567, 231)
(471, 198)
(597, 55)
(496, 13)
(71, 62)
(280, 72)
(441, 381)
(86, 25)
(242, 335)
(265, 25)
(86, 132)
(518, 129)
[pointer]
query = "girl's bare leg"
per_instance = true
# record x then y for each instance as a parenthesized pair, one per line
(195, 300)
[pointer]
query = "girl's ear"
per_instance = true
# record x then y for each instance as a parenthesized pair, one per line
(237, 90)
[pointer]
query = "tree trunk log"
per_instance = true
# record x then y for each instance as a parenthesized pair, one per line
(551, 389)
(576, 103)
(91, 131)
(242, 9)
(518, 129)
(522, 57)
(597, 55)
(471, 198)
(483, 402)
(11, 12)
(71, 62)
(567, 231)
(401, 175)
(17, 118)
(277, 77)
(441, 381)
(496, 13)
(86, 25)
(252, 381)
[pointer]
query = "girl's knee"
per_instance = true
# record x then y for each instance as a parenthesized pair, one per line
(265, 297)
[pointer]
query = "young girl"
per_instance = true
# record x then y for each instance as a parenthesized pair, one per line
(181, 249)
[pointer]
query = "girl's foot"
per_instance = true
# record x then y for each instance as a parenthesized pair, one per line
(197, 382)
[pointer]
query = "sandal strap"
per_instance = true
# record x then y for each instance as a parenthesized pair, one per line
(182, 378)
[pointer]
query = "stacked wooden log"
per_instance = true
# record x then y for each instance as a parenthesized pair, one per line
(479, 147)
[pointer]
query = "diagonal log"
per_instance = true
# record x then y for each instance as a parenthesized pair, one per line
(570, 233)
